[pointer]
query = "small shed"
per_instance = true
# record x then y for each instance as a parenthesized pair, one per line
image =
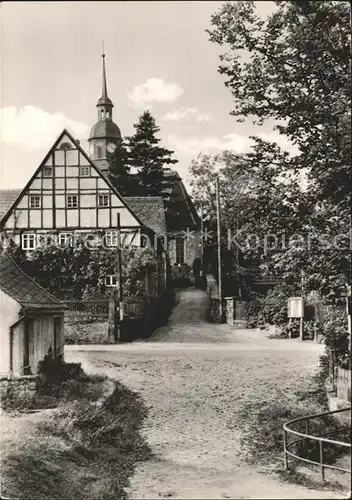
(31, 321)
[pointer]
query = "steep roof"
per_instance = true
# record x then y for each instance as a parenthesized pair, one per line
(180, 211)
(89, 161)
(24, 289)
(150, 210)
(7, 197)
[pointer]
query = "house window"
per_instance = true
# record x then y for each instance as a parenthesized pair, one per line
(72, 201)
(34, 201)
(28, 241)
(144, 241)
(47, 171)
(103, 200)
(180, 250)
(65, 239)
(111, 238)
(85, 171)
(110, 280)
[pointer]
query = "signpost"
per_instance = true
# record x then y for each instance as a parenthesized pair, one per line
(295, 309)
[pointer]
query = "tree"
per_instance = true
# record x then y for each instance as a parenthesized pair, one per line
(147, 156)
(120, 171)
(298, 73)
(260, 198)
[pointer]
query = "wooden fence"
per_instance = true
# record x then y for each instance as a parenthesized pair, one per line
(98, 309)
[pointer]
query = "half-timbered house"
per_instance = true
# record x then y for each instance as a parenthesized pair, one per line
(71, 194)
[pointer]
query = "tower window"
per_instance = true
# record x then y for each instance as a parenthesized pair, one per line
(99, 152)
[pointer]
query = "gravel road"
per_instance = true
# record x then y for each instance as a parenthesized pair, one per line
(195, 377)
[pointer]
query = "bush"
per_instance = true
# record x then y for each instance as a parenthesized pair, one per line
(334, 331)
(213, 312)
(55, 370)
(270, 309)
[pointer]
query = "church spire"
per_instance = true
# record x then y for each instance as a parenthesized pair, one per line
(104, 104)
(104, 86)
(105, 134)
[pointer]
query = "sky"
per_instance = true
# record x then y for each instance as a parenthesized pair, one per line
(158, 57)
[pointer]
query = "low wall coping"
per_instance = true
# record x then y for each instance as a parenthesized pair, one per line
(18, 378)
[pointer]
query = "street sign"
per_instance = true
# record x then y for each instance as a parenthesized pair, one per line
(295, 307)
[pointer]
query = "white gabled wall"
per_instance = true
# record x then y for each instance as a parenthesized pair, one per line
(9, 314)
(66, 180)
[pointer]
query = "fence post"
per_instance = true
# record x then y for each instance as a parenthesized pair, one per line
(112, 320)
(321, 460)
(285, 449)
(307, 426)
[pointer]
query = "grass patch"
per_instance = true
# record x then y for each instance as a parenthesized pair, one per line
(86, 449)
(263, 440)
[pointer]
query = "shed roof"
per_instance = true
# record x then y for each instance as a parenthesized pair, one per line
(23, 289)
(7, 197)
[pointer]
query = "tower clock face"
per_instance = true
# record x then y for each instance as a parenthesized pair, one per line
(111, 147)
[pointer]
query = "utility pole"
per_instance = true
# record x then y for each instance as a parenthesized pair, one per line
(302, 317)
(119, 277)
(219, 246)
(201, 239)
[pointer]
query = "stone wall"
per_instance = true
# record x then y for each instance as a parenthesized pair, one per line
(20, 387)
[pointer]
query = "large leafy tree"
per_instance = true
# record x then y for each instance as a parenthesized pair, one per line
(297, 72)
(260, 203)
(147, 156)
(79, 271)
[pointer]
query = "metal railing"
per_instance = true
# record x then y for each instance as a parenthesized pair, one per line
(320, 439)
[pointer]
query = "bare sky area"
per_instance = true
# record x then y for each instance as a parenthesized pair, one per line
(158, 57)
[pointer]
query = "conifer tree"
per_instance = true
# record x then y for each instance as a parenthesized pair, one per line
(148, 156)
(119, 171)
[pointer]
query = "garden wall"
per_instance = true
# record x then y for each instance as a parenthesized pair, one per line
(22, 386)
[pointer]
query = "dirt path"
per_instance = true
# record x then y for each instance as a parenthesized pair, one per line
(195, 377)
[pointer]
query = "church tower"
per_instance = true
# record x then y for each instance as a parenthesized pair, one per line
(105, 134)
